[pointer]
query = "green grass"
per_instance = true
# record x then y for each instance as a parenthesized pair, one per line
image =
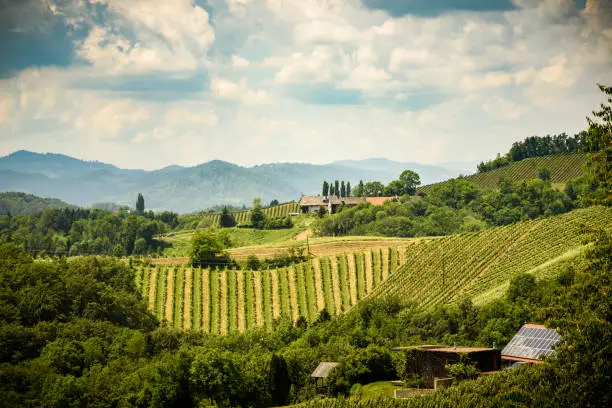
(562, 168)
(374, 390)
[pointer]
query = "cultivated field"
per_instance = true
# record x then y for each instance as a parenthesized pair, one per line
(227, 301)
(479, 265)
(242, 217)
(562, 168)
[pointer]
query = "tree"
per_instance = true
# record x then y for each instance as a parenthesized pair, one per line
(373, 189)
(325, 189)
(410, 180)
(206, 249)
(279, 380)
(258, 218)
(140, 246)
(348, 188)
(140, 204)
(336, 188)
(544, 174)
(342, 189)
(227, 219)
(359, 190)
(599, 146)
(331, 190)
(274, 203)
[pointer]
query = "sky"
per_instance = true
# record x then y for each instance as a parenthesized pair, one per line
(150, 83)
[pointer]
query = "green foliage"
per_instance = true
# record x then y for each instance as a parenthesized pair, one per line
(227, 219)
(14, 203)
(207, 248)
(462, 370)
(140, 205)
(258, 218)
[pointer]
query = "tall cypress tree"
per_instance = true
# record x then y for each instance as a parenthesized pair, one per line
(336, 187)
(325, 189)
(348, 188)
(342, 189)
(140, 204)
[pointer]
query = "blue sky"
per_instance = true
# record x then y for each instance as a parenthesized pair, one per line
(149, 83)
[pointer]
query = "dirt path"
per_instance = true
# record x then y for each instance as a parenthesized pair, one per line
(169, 309)
(369, 272)
(352, 273)
(223, 312)
(151, 289)
(336, 285)
(241, 312)
(316, 270)
(304, 234)
(291, 277)
(205, 300)
(274, 283)
(258, 298)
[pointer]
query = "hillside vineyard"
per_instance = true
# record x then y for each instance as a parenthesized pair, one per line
(227, 301)
(429, 272)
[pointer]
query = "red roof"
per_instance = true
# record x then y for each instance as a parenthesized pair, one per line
(379, 200)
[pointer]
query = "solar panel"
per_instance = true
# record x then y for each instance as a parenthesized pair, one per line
(532, 342)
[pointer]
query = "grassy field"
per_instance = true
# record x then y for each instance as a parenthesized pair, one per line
(562, 168)
(228, 301)
(479, 265)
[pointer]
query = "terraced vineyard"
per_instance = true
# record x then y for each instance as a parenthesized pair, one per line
(477, 265)
(227, 301)
(278, 211)
(562, 168)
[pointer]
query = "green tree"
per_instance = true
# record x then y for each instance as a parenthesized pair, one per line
(206, 249)
(373, 189)
(227, 219)
(325, 189)
(279, 380)
(336, 188)
(410, 180)
(544, 174)
(140, 246)
(348, 188)
(140, 204)
(342, 189)
(599, 146)
(258, 218)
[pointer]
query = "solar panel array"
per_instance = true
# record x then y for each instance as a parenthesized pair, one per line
(531, 342)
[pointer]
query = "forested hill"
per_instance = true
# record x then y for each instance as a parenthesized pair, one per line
(188, 189)
(562, 169)
(15, 203)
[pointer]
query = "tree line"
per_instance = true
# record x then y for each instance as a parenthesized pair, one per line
(78, 231)
(537, 146)
(406, 184)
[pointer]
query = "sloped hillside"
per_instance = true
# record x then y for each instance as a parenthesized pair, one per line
(562, 168)
(476, 265)
(227, 301)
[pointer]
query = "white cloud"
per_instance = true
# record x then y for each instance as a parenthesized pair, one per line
(239, 62)
(228, 90)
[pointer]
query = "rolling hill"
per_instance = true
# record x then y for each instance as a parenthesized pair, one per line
(429, 272)
(20, 203)
(562, 169)
(188, 189)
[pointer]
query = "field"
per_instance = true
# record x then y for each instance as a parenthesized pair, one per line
(562, 168)
(242, 217)
(428, 271)
(479, 265)
(228, 301)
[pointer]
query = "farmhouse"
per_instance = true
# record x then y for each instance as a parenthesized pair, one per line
(332, 204)
(530, 343)
(430, 361)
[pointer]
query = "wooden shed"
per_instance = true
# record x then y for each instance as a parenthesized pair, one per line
(321, 373)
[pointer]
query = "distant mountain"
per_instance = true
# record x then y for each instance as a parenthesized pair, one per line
(187, 189)
(20, 203)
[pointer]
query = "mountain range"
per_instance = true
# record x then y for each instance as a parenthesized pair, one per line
(188, 189)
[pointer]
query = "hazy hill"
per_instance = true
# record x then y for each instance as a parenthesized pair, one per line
(20, 203)
(562, 168)
(186, 189)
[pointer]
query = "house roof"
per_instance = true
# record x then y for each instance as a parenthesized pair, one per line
(531, 342)
(323, 369)
(325, 200)
(379, 200)
(435, 347)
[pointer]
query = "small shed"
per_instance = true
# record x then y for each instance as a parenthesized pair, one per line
(321, 373)
(430, 361)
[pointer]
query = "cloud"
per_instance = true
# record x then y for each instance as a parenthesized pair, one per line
(150, 83)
